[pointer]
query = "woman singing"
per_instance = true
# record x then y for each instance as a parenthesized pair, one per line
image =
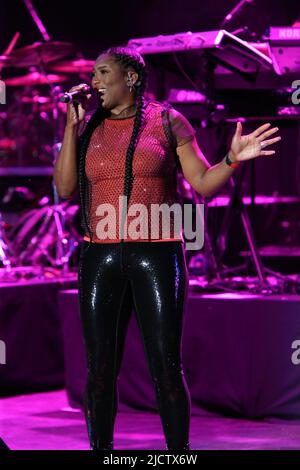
(125, 149)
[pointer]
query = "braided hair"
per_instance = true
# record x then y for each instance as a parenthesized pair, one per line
(127, 58)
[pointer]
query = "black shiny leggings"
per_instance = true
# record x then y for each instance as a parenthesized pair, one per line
(151, 278)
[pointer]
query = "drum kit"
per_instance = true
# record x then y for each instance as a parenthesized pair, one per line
(31, 130)
(35, 117)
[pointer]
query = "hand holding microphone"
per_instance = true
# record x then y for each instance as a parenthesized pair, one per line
(76, 100)
(78, 93)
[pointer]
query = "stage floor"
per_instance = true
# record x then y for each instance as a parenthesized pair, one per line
(44, 421)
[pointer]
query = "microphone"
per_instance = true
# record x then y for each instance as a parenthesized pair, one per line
(237, 9)
(78, 95)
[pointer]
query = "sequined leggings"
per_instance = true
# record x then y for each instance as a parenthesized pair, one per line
(150, 278)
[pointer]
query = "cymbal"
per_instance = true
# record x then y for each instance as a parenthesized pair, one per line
(4, 60)
(40, 52)
(73, 66)
(35, 78)
(36, 99)
(43, 103)
(7, 144)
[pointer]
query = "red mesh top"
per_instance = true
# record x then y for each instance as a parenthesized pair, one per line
(154, 172)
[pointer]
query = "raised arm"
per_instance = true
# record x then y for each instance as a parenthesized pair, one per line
(65, 168)
(207, 179)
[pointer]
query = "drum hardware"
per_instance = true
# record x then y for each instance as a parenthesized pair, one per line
(5, 249)
(38, 55)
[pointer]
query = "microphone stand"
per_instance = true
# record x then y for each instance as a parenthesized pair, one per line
(235, 12)
(37, 20)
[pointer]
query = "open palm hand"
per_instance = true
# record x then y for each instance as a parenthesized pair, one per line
(246, 147)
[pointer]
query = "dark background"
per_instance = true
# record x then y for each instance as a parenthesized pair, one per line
(94, 25)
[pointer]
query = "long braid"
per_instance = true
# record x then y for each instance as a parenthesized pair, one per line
(127, 58)
(128, 178)
(84, 184)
